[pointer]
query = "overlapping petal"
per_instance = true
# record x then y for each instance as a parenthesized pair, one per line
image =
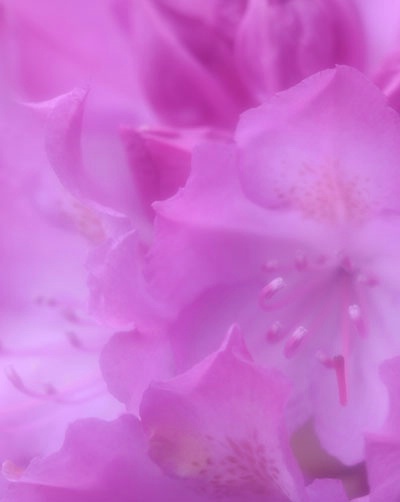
(280, 224)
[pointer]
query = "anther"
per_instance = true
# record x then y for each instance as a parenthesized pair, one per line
(356, 316)
(275, 332)
(271, 289)
(294, 341)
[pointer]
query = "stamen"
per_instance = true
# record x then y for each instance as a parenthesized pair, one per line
(339, 367)
(271, 289)
(355, 315)
(19, 384)
(275, 332)
(336, 363)
(294, 341)
(50, 393)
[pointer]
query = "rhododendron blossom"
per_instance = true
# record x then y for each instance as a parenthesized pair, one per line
(292, 244)
(199, 248)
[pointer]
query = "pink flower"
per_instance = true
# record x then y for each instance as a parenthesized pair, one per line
(210, 57)
(216, 432)
(48, 344)
(292, 233)
(287, 227)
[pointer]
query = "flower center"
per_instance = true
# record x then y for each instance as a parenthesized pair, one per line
(322, 195)
(312, 296)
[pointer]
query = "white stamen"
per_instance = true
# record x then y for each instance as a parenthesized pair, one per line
(356, 316)
(272, 288)
(294, 341)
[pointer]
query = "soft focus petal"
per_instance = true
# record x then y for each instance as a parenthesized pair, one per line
(120, 293)
(338, 178)
(383, 447)
(49, 345)
(281, 42)
(50, 49)
(290, 238)
(201, 85)
(160, 160)
(328, 490)
(130, 362)
(98, 462)
(219, 427)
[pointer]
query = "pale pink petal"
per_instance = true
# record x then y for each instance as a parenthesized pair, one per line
(159, 160)
(120, 293)
(50, 49)
(85, 152)
(200, 81)
(280, 43)
(99, 462)
(383, 462)
(290, 238)
(219, 427)
(49, 371)
(327, 490)
(339, 178)
(130, 362)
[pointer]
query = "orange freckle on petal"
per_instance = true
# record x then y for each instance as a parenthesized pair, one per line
(324, 194)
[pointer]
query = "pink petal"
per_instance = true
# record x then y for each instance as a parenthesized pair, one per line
(99, 462)
(130, 362)
(219, 427)
(340, 177)
(280, 43)
(201, 85)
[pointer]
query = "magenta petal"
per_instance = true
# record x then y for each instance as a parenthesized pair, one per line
(99, 462)
(43, 59)
(63, 140)
(210, 225)
(317, 178)
(201, 85)
(388, 79)
(326, 490)
(383, 462)
(383, 447)
(219, 427)
(390, 374)
(120, 294)
(130, 362)
(160, 162)
(280, 43)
